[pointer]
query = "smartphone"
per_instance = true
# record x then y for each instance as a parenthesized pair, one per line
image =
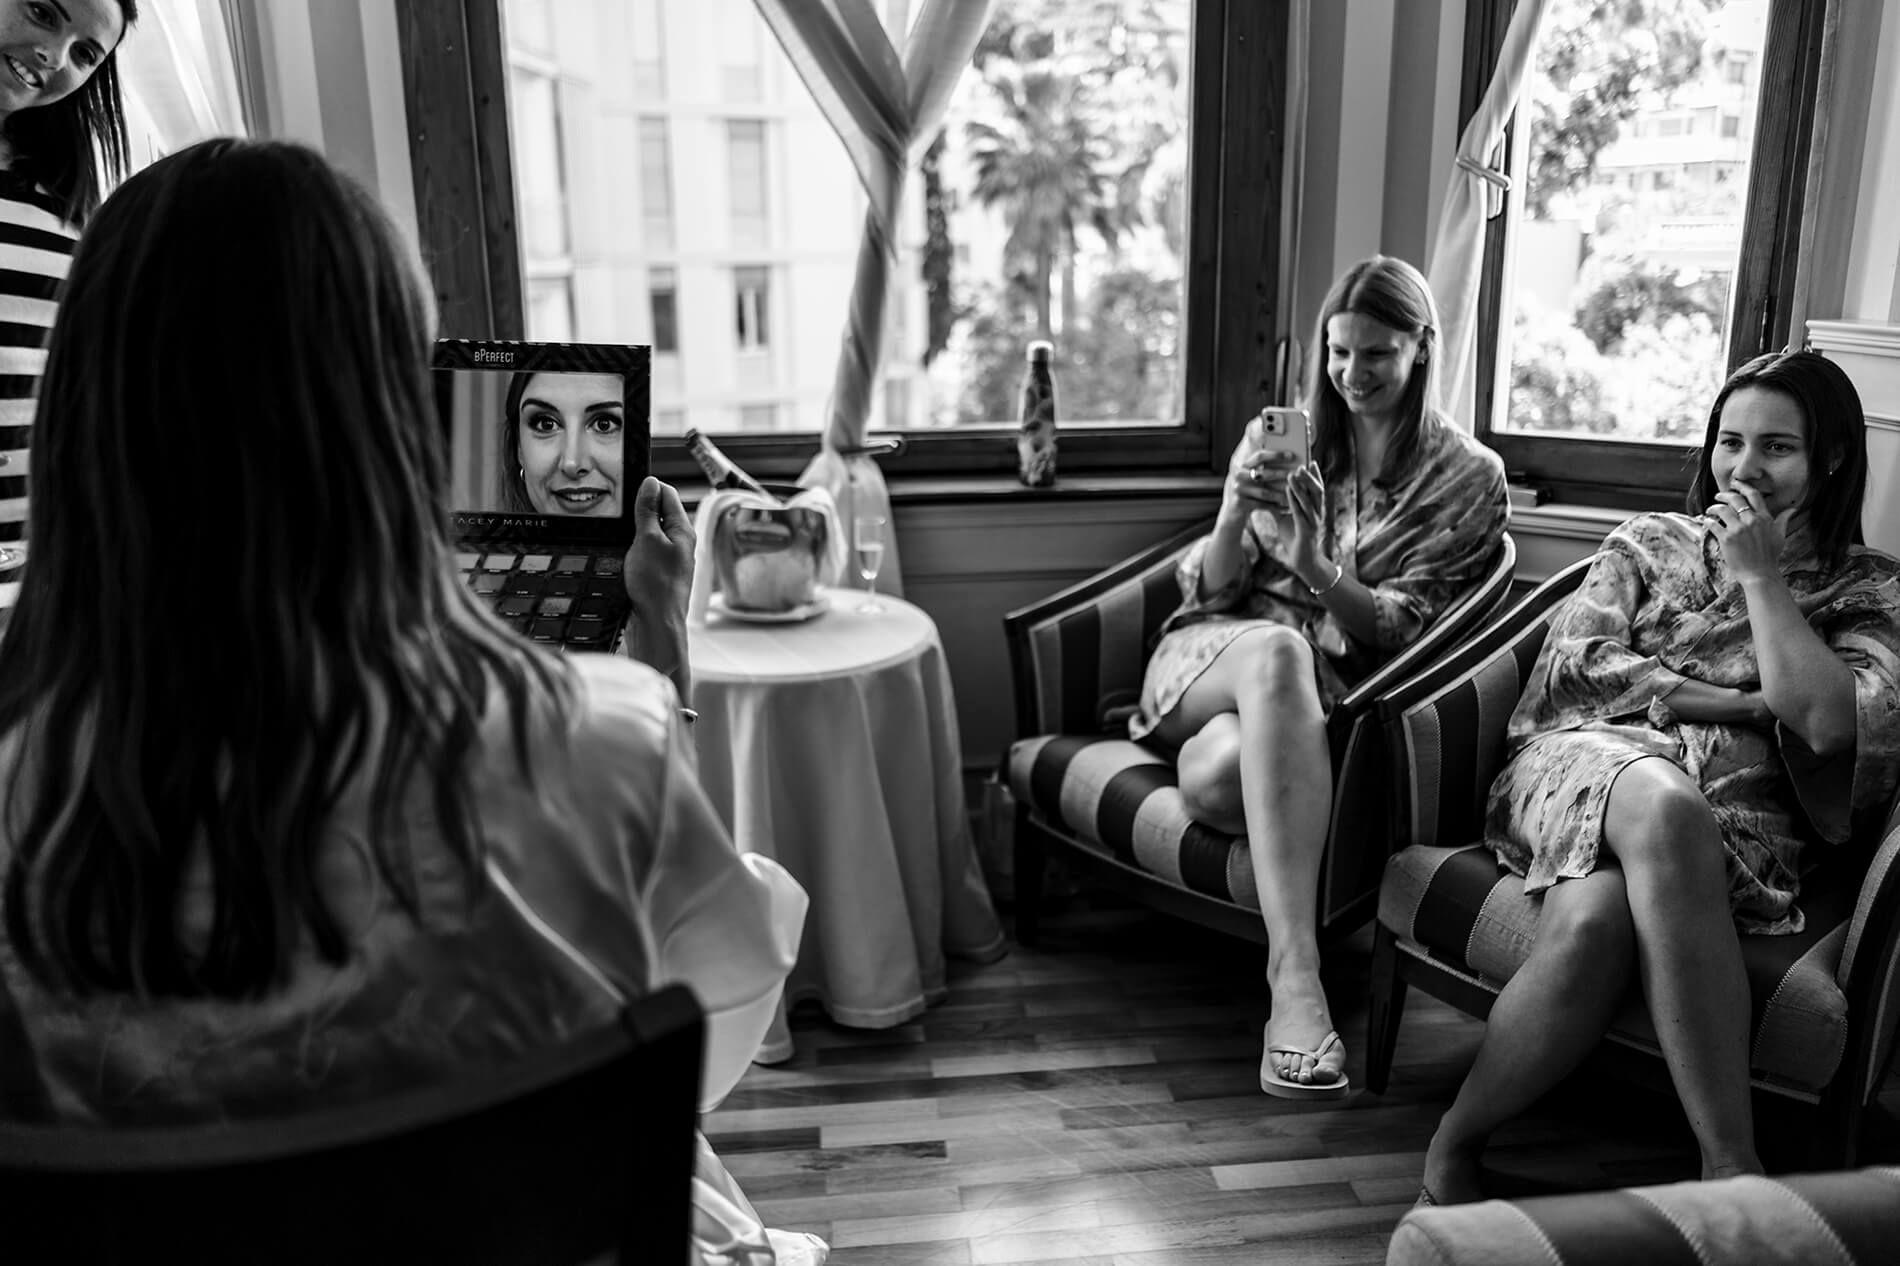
(1282, 430)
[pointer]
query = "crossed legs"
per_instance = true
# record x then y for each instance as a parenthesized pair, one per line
(1662, 909)
(1253, 759)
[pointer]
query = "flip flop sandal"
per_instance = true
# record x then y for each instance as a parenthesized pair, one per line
(1282, 1088)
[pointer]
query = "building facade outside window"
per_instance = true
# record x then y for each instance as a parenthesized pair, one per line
(1618, 294)
(1054, 202)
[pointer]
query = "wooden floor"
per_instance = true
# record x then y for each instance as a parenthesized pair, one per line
(1095, 1102)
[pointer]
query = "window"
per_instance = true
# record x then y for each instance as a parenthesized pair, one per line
(662, 302)
(745, 170)
(754, 418)
(752, 300)
(1631, 274)
(656, 184)
(648, 38)
(551, 309)
(539, 184)
(1125, 262)
(740, 31)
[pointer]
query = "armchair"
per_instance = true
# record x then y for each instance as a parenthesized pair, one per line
(1454, 922)
(1111, 806)
(583, 1153)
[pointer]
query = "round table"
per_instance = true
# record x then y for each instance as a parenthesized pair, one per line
(830, 745)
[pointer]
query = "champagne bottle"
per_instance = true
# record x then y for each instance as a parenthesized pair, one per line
(720, 469)
(1036, 441)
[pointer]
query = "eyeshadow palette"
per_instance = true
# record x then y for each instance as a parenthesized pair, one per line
(574, 599)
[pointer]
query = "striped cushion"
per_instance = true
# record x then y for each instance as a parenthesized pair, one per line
(1459, 908)
(1845, 1218)
(1121, 798)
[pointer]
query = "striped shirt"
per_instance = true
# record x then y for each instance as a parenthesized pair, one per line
(36, 247)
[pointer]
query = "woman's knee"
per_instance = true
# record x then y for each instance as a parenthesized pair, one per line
(1590, 918)
(1658, 817)
(1208, 766)
(1278, 662)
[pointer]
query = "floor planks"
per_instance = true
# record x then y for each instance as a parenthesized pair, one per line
(1094, 1102)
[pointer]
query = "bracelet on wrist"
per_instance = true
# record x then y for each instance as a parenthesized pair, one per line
(1339, 571)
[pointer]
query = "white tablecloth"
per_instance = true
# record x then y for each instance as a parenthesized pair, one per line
(831, 746)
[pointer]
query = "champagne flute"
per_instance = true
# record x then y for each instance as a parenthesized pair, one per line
(867, 543)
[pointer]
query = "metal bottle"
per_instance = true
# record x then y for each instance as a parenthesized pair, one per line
(1036, 441)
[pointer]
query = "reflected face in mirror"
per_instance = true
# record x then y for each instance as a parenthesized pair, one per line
(570, 432)
(1762, 441)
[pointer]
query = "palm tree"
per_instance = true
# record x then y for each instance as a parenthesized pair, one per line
(1044, 161)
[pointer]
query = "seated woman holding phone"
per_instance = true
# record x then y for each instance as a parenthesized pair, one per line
(1721, 694)
(1320, 567)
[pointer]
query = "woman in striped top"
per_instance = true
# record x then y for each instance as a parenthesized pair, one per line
(59, 107)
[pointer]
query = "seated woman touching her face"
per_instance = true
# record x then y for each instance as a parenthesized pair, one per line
(1312, 577)
(563, 444)
(298, 822)
(1722, 690)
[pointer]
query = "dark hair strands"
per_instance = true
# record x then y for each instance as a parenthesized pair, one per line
(196, 399)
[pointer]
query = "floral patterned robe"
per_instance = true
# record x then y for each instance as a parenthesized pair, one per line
(1419, 544)
(1660, 605)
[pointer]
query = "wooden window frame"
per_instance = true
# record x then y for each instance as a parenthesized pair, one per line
(1653, 476)
(454, 67)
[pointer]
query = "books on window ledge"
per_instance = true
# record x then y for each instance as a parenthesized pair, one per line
(1528, 494)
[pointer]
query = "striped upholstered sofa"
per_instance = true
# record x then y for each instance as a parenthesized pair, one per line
(1455, 923)
(1839, 1218)
(1110, 807)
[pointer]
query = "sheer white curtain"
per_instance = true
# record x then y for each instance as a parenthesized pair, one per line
(1474, 195)
(180, 77)
(1292, 367)
(884, 108)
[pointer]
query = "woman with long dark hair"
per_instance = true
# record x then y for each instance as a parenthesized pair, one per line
(287, 817)
(1312, 578)
(1723, 689)
(62, 145)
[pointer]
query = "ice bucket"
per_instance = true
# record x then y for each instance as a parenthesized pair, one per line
(771, 559)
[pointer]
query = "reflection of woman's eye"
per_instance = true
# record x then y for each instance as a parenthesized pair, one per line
(542, 422)
(605, 424)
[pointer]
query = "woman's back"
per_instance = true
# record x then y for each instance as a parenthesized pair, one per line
(607, 831)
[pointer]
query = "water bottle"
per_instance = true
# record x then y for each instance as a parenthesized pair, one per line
(720, 469)
(1036, 441)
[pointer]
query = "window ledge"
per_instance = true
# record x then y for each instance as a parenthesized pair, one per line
(1005, 489)
(1568, 522)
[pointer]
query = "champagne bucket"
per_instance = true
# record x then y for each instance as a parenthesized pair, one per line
(772, 559)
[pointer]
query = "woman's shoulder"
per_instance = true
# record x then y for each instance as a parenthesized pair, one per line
(27, 204)
(1655, 530)
(1445, 445)
(1875, 567)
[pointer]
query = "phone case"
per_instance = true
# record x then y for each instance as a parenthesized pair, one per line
(1280, 430)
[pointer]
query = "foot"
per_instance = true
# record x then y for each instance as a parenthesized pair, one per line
(1301, 1021)
(1451, 1173)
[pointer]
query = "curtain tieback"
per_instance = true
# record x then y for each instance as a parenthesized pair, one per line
(1484, 172)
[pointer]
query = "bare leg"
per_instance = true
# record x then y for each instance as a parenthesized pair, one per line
(1546, 1019)
(1687, 953)
(1253, 721)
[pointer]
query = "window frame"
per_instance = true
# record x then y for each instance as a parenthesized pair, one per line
(1633, 476)
(454, 65)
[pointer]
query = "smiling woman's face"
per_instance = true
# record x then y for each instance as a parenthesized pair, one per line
(50, 48)
(1762, 441)
(571, 434)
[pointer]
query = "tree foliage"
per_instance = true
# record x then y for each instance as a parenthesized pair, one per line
(1598, 62)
